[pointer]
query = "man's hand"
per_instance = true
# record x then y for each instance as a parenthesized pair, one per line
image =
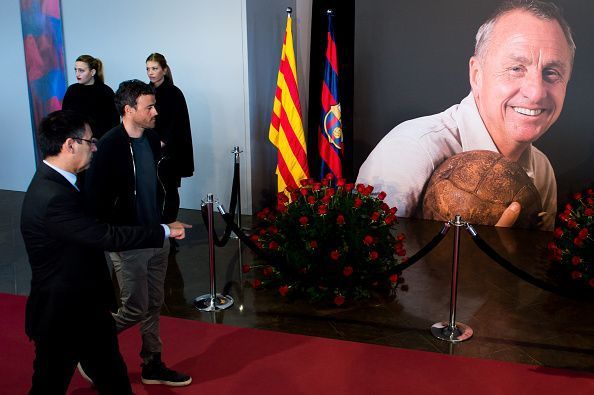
(510, 215)
(178, 230)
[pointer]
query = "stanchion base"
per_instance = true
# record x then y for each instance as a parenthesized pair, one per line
(208, 303)
(459, 333)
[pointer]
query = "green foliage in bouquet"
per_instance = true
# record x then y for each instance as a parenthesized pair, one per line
(573, 247)
(333, 243)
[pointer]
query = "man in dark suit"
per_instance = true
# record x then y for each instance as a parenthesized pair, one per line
(68, 310)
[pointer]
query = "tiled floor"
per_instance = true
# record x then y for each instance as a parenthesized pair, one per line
(512, 320)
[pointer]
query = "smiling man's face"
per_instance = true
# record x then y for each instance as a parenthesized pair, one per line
(519, 83)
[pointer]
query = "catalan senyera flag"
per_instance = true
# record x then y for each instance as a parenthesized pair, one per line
(330, 144)
(286, 126)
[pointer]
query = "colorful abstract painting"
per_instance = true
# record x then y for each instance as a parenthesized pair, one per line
(44, 57)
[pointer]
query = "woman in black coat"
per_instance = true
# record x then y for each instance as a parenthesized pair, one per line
(173, 128)
(91, 97)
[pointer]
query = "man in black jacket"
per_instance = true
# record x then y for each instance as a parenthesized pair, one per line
(68, 310)
(123, 187)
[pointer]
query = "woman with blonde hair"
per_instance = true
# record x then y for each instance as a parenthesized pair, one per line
(173, 128)
(91, 97)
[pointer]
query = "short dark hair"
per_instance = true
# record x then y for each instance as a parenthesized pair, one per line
(56, 128)
(129, 91)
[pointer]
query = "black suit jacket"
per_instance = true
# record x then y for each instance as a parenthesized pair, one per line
(70, 279)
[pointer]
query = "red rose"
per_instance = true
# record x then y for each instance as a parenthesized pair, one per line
(389, 219)
(568, 207)
(267, 271)
(375, 216)
(577, 196)
(401, 252)
(583, 234)
(294, 196)
(322, 209)
(306, 181)
(330, 192)
(313, 244)
(325, 182)
(262, 232)
(347, 271)
(304, 191)
(340, 182)
(385, 208)
(339, 300)
(591, 282)
(571, 224)
(368, 240)
(256, 283)
(563, 217)
(576, 275)
(273, 245)
(273, 229)
(340, 219)
(394, 278)
(357, 203)
(316, 186)
(283, 290)
(588, 212)
(303, 220)
(558, 233)
(590, 192)
(401, 237)
(245, 268)
(367, 191)
(254, 237)
(590, 201)
(393, 210)
(576, 260)
(282, 197)
(326, 199)
(578, 242)
(311, 199)
(551, 245)
(373, 255)
(349, 187)
(335, 254)
(281, 208)
(329, 176)
(360, 188)
(381, 195)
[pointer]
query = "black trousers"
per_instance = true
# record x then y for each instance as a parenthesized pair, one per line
(93, 342)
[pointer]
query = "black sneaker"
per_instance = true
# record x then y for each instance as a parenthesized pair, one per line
(155, 372)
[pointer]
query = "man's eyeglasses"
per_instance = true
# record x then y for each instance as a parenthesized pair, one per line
(92, 141)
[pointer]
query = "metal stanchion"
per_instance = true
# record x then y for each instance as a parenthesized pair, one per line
(212, 301)
(453, 331)
(236, 151)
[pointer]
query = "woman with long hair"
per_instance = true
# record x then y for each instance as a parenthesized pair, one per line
(173, 128)
(91, 97)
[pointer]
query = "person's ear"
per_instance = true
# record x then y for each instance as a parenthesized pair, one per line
(93, 71)
(475, 74)
(68, 145)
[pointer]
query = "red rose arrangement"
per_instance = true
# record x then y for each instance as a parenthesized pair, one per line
(337, 243)
(573, 247)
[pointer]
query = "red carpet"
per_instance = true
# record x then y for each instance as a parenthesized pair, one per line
(229, 360)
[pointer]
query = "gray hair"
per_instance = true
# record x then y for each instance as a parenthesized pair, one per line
(540, 9)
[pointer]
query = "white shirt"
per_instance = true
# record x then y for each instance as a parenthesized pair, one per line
(404, 160)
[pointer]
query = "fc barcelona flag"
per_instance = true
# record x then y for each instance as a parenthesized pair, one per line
(286, 126)
(330, 142)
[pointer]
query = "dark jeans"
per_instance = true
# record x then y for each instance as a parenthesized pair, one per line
(93, 342)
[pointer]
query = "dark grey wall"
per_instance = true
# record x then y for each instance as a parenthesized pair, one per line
(266, 21)
(411, 59)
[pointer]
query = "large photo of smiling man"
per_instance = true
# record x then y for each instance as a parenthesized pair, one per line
(518, 74)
